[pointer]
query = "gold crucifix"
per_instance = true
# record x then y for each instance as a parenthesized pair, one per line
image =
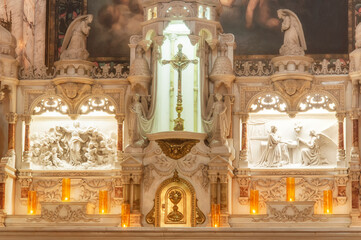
(179, 62)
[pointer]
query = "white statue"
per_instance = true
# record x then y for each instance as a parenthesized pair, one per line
(276, 153)
(312, 155)
(139, 125)
(218, 122)
(294, 39)
(74, 44)
(73, 148)
(355, 56)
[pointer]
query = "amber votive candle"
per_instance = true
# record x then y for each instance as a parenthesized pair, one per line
(32, 202)
(103, 202)
(254, 201)
(216, 215)
(65, 196)
(125, 215)
(291, 191)
(327, 201)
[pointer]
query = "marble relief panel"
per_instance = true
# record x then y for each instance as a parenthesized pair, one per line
(308, 140)
(61, 143)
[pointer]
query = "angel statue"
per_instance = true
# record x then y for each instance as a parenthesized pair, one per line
(294, 40)
(74, 44)
(139, 125)
(311, 155)
(218, 122)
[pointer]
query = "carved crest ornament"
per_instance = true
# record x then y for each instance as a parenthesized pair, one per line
(176, 148)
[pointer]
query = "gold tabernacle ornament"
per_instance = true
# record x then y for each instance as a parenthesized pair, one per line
(179, 62)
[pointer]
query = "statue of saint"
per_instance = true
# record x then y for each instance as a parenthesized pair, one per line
(218, 121)
(294, 40)
(139, 125)
(311, 155)
(74, 44)
(276, 153)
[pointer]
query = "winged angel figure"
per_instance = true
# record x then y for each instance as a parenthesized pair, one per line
(74, 44)
(294, 40)
(218, 122)
(313, 155)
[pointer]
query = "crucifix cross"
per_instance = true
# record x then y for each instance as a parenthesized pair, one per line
(179, 62)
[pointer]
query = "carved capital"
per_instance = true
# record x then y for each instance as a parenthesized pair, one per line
(3, 177)
(354, 113)
(125, 179)
(26, 118)
(243, 181)
(341, 181)
(136, 178)
(119, 118)
(12, 117)
(244, 118)
(340, 116)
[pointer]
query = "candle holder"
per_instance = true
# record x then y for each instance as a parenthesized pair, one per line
(254, 201)
(216, 215)
(327, 201)
(125, 215)
(65, 196)
(290, 189)
(32, 202)
(103, 202)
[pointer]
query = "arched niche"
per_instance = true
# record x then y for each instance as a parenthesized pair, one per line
(175, 205)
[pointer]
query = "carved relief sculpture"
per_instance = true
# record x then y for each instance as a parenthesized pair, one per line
(74, 45)
(294, 39)
(312, 154)
(276, 153)
(70, 148)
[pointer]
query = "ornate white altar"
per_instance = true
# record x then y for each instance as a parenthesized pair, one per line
(248, 126)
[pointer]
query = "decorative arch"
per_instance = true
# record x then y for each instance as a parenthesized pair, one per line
(196, 216)
(50, 103)
(318, 99)
(267, 100)
(98, 102)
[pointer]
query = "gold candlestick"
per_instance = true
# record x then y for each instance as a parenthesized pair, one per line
(65, 197)
(254, 201)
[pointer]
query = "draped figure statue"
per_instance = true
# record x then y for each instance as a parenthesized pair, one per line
(218, 122)
(311, 155)
(139, 125)
(276, 153)
(74, 44)
(294, 40)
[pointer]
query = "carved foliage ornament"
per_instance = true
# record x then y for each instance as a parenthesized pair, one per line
(64, 213)
(51, 104)
(316, 100)
(268, 101)
(176, 148)
(290, 213)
